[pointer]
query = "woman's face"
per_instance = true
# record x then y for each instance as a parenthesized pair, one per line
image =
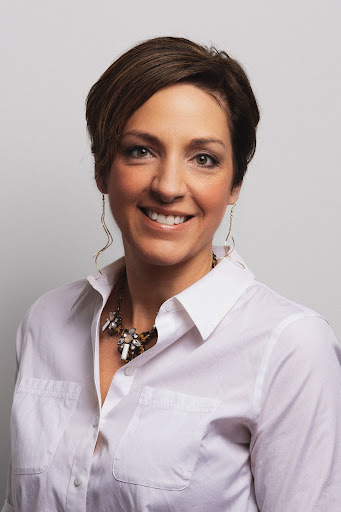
(171, 178)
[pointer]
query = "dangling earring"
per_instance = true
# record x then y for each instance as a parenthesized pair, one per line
(228, 251)
(107, 232)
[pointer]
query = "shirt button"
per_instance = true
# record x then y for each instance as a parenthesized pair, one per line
(129, 370)
(96, 421)
(169, 306)
(77, 481)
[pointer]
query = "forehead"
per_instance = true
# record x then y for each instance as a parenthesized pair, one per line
(181, 110)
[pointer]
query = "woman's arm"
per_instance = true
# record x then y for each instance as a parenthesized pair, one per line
(21, 335)
(296, 447)
(7, 506)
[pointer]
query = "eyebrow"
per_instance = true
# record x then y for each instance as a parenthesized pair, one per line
(154, 140)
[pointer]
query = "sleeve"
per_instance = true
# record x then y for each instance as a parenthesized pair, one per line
(7, 507)
(20, 338)
(296, 444)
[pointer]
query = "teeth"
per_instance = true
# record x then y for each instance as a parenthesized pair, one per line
(170, 220)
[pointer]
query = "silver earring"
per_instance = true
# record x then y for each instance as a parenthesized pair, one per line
(107, 232)
(228, 251)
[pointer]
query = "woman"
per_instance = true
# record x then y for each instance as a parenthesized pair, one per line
(172, 379)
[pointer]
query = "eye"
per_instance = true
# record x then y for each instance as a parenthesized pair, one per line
(205, 160)
(138, 151)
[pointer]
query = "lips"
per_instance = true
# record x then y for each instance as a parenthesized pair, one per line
(161, 218)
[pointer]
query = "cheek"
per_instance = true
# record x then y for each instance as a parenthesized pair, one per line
(123, 185)
(118, 193)
(214, 199)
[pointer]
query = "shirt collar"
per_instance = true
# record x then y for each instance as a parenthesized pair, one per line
(103, 281)
(206, 301)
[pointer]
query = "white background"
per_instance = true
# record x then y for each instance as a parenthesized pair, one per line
(287, 220)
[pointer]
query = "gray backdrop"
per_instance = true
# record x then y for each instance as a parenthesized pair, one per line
(287, 219)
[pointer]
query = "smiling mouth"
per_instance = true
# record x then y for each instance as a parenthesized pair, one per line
(169, 220)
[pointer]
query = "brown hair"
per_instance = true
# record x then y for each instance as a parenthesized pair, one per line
(156, 63)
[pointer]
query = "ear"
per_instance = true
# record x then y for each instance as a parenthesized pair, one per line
(102, 187)
(101, 182)
(234, 194)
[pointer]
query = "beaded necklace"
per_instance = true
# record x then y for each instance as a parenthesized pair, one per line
(130, 344)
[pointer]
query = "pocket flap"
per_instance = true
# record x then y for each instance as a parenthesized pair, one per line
(41, 411)
(52, 388)
(160, 446)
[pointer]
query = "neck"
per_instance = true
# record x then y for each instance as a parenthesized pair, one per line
(150, 285)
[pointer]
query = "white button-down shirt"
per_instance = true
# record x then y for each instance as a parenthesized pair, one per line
(237, 407)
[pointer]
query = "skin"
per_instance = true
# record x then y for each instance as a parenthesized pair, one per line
(159, 166)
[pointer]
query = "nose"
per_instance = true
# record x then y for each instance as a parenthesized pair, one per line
(169, 182)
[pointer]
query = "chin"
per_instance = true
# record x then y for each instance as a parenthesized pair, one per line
(158, 253)
(162, 258)
(162, 253)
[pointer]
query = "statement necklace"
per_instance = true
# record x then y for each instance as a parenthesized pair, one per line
(130, 344)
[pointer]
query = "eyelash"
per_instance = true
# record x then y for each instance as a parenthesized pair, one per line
(214, 160)
(130, 150)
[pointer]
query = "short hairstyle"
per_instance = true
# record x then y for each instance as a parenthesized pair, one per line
(160, 62)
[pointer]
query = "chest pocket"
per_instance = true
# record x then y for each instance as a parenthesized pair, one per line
(40, 412)
(161, 444)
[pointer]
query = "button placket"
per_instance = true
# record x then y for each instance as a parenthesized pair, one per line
(76, 496)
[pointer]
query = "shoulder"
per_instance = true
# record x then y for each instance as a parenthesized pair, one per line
(267, 309)
(54, 308)
(259, 315)
(260, 304)
(59, 299)
(291, 323)
(271, 302)
(300, 347)
(286, 329)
